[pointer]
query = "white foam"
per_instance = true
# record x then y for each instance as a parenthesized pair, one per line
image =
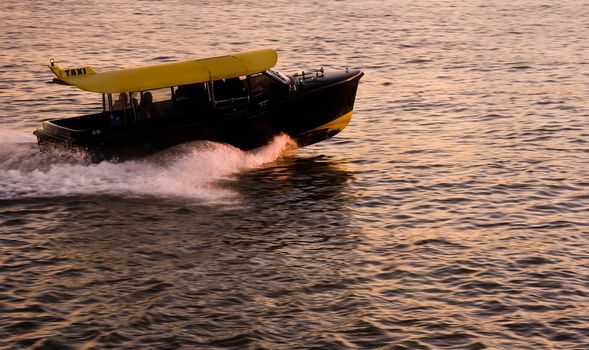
(13, 136)
(190, 171)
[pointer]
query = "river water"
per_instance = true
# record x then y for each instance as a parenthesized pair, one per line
(452, 213)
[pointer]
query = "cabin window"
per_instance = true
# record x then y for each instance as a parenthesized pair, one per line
(232, 92)
(192, 99)
(160, 95)
(122, 101)
(155, 103)
(263, 85)
(192, 93)
(121, 107)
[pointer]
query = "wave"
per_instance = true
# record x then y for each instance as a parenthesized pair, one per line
(192, 170)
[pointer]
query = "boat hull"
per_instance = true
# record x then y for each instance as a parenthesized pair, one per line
(318, 110)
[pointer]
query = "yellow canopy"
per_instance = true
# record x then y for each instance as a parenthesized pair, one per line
(167, 74)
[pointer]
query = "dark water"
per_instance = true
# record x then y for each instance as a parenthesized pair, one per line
(453, 213)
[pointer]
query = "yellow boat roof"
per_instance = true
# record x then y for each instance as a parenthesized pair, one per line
(167, 74)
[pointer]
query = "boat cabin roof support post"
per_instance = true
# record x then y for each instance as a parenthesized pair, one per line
(209, 88)
(132, 100)
(212, 94)
(110, 105)
(124, 98)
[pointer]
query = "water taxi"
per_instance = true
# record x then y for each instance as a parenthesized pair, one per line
(239, 99)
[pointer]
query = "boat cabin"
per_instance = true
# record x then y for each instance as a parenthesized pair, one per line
(197, 99)
(131, 96)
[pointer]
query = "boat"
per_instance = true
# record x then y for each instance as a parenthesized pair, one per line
(239, 99)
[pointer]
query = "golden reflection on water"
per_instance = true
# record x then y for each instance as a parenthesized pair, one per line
(449, 213)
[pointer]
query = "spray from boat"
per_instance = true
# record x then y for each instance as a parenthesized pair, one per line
(192, 170)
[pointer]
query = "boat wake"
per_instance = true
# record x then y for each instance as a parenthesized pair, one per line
(192, 170)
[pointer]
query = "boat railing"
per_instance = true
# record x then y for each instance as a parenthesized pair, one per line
(232, 102)
(312, 75)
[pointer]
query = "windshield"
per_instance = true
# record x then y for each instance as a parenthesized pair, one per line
(276, 74)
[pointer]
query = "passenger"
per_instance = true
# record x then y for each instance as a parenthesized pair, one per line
(146, 107)
(121, 102)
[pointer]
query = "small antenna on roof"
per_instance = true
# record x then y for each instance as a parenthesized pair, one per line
(52, 62)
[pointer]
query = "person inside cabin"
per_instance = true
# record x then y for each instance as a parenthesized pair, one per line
(116, 116)
(121, 103)
(146, 107)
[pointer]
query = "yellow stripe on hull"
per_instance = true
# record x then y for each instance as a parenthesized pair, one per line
(338, 124)
(324, 131)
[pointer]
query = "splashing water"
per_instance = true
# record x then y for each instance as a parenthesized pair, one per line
(192, 170)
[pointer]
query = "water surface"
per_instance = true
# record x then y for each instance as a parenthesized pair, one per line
(452, 213)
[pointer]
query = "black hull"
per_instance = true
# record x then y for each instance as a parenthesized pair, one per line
(318, 110)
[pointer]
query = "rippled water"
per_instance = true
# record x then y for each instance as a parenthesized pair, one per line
(453, 212)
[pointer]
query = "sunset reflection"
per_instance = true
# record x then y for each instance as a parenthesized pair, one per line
(450, 213)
